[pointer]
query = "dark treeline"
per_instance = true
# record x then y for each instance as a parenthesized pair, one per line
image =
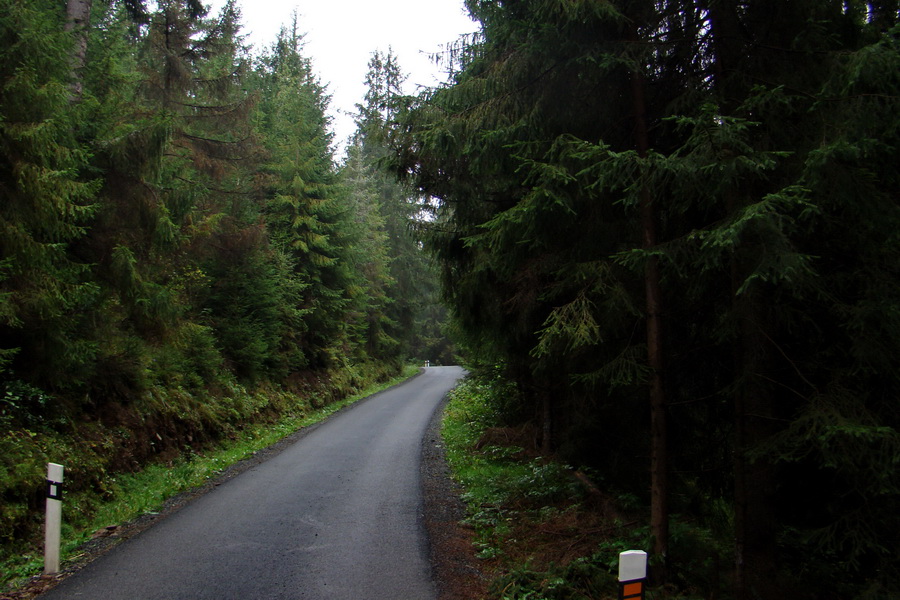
(675, 224)
(179, 248)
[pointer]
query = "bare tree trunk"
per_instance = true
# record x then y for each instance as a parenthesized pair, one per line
(754, 520)
(659, 467)
(546, 424)
(78, 13)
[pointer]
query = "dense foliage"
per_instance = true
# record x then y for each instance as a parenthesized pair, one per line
(179, 249)
(675, 223)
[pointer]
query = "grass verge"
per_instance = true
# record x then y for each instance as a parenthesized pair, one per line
(543, 530)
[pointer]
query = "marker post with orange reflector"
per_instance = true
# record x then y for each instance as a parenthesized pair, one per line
(632, 574)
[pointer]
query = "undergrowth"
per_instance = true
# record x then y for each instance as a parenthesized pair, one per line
(98, 497)
(543, 530)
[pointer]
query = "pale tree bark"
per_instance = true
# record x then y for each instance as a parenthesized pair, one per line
(78, 21)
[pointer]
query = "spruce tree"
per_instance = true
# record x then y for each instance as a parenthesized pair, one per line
(48, 200)
(174, 140)
(411, 274)
(304, 212)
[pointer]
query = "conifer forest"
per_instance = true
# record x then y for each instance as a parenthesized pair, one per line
(181, 252)
(669, 228)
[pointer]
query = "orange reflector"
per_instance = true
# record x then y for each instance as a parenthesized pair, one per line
(631, 590)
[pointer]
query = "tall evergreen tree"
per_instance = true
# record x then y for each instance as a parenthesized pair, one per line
(48, 200)
(174, 140)
(529, 86)
(78, 23)
(370, 256)
(305, 214)
(401, 207)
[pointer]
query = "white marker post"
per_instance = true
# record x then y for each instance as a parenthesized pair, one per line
(53, 525)
(632, 574)
(427, 363)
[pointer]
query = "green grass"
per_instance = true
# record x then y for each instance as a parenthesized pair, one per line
(526, 510)
(539, 534)
(131, 495)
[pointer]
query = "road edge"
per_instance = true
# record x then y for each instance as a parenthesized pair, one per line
(455, 570)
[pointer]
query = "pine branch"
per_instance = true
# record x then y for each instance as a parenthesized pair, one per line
(197, 138)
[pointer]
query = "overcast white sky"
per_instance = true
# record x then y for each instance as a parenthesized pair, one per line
(341, 36)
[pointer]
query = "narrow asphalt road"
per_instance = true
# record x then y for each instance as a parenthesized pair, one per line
(336, 515)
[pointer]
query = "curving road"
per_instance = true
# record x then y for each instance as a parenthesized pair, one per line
(336, 515)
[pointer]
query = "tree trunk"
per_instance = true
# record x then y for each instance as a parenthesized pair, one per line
(546, 424)
(78, 21)
(659, 469)
(754, 519)
(754, 479)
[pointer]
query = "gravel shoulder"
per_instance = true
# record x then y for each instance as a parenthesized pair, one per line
(456, 570)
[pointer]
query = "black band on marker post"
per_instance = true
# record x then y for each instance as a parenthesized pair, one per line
(54, 490)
